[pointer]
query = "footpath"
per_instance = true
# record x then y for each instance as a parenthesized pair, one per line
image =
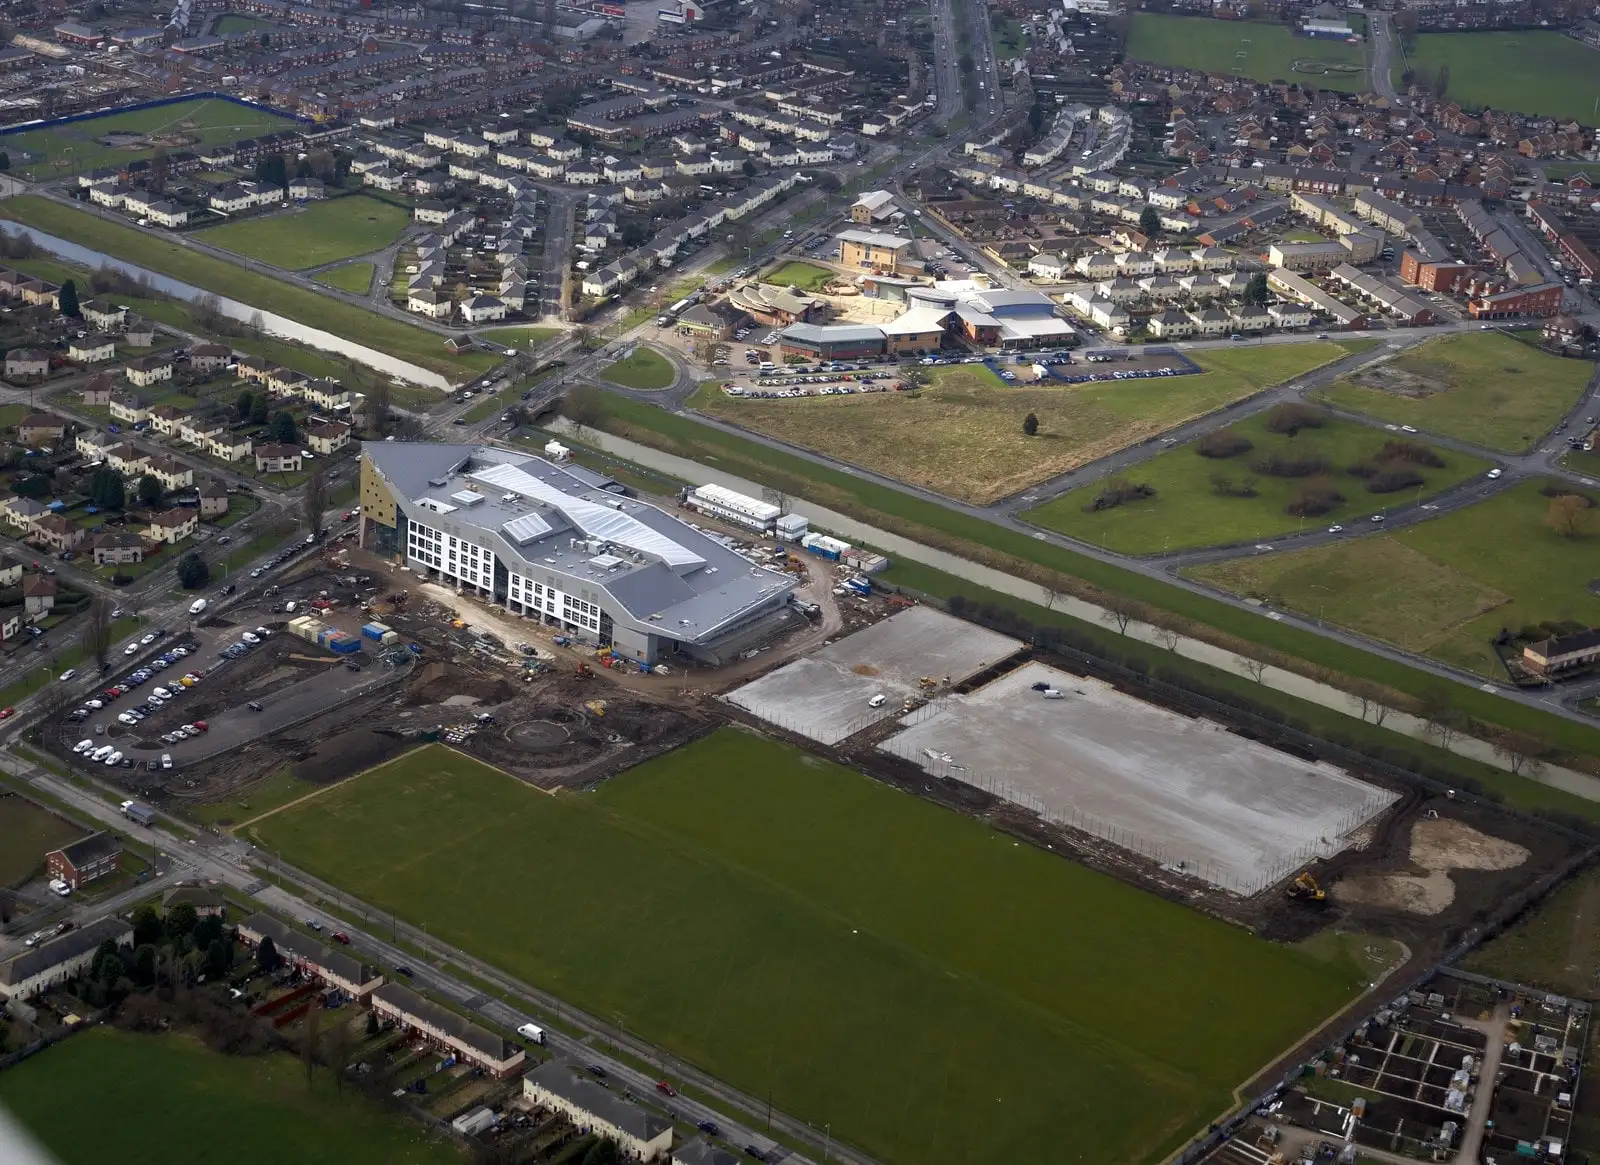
(1303, 687)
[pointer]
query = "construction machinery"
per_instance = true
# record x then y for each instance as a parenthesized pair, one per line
(1305, 889)
(584, 672)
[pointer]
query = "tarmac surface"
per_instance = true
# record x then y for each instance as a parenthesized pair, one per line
(1175, 789)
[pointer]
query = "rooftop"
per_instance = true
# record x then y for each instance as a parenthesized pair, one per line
(562, 1080)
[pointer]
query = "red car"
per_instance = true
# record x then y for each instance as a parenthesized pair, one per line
(339, 936)
(665, 1089)
(346, 516)
(6, 712)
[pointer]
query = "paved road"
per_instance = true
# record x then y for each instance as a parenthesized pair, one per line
(1384, 47)
(233, 863)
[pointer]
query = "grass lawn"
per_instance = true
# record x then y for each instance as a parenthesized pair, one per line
(320, 232)
(56, 662)
(805, 276)
(1556, 946)
(963, 435)
(27, 833)
(1020, 554)
(1445, 586)
(263, 796)
(262, 291)
(78, 148)
(905, 959)
(529, 337)
(1188, 509)
(1008, 39)
(11, 414)
(352, 277)
(1482, 387)
(1543, 73)
(1260, 51)
(645, 368)
(257, 1104)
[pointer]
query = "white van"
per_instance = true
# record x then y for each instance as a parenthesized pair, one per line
(878, 701)
(101, 753)
(531, 1031)
(197, 606)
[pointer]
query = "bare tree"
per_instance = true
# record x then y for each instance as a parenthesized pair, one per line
(1519, 750)
(97, 631)
(207, 312)
(339, 1044)
(314, 500)
(583, 409)
(379, 399)
(1568, 515)
(1255, 668)
(1121, 610)
(1052, 596)
(1369, 698)
(776, 497)
(1438, 712)
(1168, 638)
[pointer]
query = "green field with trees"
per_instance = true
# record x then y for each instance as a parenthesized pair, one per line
(906, 959)
(1291, 468)
(1447, 586)
(1542, 72)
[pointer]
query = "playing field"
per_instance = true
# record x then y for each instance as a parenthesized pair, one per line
(352, 277)
(1482, 387)
(643, 368)
(1263, 52)
(27, 833)
(82, 145)
(963, 437)
(311, 235)
(1445, 586)
(169, 1100)
(933, 991)
(1530, 72)
(1201, 501)
(805, 276)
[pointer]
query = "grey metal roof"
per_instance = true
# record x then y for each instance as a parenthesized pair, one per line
(670, 575)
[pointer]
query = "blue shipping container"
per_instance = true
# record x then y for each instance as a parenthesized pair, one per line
(373, 631)
(345, 645)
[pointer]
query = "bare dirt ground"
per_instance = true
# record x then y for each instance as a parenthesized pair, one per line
(1438, 846)
(1399, 381)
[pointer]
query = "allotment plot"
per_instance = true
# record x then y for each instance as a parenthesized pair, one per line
(1176, 789)
(829, 696)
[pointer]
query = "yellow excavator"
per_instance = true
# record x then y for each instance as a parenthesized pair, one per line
(1305, 889)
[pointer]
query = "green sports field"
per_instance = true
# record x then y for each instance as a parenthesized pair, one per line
(309, 236)
(1262, 52)
(78, 147)
(934, 991)
(1191, 509)
(1444, 587)
(1529, 72)
(27, 833)
(1482, 387)
(169, 1100)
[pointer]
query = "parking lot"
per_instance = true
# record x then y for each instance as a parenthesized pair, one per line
(835, 693)
(1178, 790)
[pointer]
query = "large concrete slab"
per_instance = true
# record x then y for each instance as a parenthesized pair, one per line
(1182, 791)
(826, 696)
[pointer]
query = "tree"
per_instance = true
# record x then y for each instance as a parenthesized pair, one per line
(193, 573)
(69, 300)
(5, 161)
(1256, 290)
(219, 957)
(1438, 713)
(258, 409)
(1030, 425)
(1255, 668)
(378, 401)
(1568, 515)
(267, 957)
(97, 631)
(105, 489)
(314, 500)
(244, 404)
(181, 921)
(1121, 610)
(144, 965)
(602, 1152)
(583, 409)
(274, 170)
(1150, 221)
(1035, 117)
(1519, 750)
(749, 168)
(372, 1023)
(146, 925)
(1442, 85)
(150, 490)
(1368, 698)
(107, 967)
(283, 430)
(207, 931)
(338, 1047)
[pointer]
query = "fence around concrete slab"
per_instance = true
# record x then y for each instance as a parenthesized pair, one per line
(1290, 682)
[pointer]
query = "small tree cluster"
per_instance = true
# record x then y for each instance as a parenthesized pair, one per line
(1314, 500)
(1225, 487)
(1307, 462)
(1410, 452)
(1390, 481)
(1118, 492)
(193, 573)
(1291, 417)
(1221, 443)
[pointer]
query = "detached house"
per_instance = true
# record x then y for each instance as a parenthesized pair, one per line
(116, 548)
(172, 526)
(92, 349)
(148, 370)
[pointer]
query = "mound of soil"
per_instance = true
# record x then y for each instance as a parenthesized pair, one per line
(437, 682)
(346, 753)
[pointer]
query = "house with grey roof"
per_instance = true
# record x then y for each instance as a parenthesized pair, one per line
(470, 1042)
(640, 1134)
(56, 960)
